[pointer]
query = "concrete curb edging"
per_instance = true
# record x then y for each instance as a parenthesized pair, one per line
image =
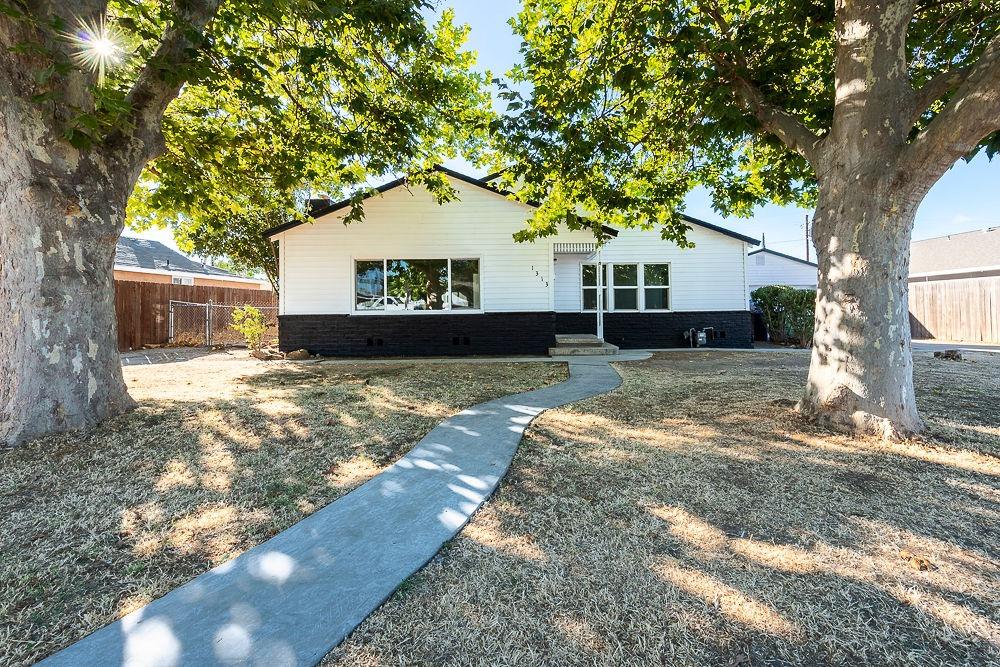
(291, 599)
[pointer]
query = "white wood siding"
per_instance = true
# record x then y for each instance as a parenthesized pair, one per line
(777, 270)
(709, 276)
(317, 259)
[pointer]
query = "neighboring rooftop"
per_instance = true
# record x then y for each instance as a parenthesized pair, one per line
(956, 253)
(145, 254)
(781, 254)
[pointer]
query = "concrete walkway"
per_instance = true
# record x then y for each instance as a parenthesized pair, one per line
(291, 599)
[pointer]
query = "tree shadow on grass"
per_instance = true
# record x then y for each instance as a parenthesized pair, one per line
(693, 518)
(99, 523)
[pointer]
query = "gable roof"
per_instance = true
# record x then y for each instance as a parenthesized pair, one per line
(144, 254)
(956, 253)
(485, 184)
(722, 230)
(783, 255)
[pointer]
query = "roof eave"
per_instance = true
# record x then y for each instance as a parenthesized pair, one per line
(482, 183)
(781, 254)
(722, 230)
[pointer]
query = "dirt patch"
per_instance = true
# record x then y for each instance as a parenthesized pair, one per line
(222, 453)
(692, 518)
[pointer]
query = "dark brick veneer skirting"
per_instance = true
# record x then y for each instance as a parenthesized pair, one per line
(497, 333)
(418, 335)
(655, 330)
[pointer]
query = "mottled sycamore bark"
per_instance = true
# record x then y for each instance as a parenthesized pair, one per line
(62, 209)
(872, 175)
(60, 367)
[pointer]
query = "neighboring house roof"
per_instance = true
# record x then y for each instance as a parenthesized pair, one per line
(486, 185)
(968, 252)
(143, 254)
(783, 255)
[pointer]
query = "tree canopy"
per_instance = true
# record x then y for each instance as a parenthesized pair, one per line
(322, 112)
(273, 94)
(632, 104)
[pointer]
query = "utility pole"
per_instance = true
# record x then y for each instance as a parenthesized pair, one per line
(807, 237)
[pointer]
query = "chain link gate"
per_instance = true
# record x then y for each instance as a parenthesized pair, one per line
(207, 324)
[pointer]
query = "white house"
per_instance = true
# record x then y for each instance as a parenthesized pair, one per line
(419, 278)
(767, 267)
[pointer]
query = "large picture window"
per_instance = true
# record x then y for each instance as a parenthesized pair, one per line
(401, 285)
(369, 285)
(632, 287)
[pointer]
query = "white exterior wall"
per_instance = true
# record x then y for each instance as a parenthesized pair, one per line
(710, 276)
(779, 271)
(316, 261)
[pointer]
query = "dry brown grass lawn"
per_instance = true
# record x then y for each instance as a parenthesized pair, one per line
(692, 518)
(222, 453)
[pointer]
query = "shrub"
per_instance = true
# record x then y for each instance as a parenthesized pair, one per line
(250, 322)
(789, 314)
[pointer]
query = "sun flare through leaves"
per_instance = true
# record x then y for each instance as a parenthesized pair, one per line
(98, 46)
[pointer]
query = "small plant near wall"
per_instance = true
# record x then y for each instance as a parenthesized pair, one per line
(789, 313)
(249, 322)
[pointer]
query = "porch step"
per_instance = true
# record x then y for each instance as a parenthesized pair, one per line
(573, 345)
(578, 340)
(586, 350)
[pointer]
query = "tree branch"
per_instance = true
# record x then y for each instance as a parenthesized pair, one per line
(158, 83)
(933, 89)
(773, 118)
(779, 122)
(970, 115)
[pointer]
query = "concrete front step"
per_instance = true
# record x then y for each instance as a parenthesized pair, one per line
(582, 350)
(578, 340)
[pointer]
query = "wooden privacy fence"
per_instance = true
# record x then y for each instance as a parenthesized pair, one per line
(143, 309)
(966, 310)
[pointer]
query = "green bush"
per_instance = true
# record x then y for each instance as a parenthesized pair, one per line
(250, 322)
(789, 314)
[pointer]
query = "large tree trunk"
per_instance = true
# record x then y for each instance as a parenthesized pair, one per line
(60, 216)
(62, 207)
(861, 372)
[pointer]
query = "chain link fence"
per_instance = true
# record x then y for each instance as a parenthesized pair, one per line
(208, 324)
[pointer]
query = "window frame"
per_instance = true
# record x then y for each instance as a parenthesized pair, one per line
(604, 286)
(179, 280)
(385, 286)
(640, 287)
(668, 288)
(613, 303)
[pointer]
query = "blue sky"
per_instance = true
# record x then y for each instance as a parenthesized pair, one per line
(966, 198)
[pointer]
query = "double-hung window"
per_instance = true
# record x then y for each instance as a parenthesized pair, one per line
(635, 287)
(403, 285)
(656, 286)
(625, 279)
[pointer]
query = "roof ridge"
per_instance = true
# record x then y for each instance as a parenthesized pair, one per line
(984, 230)
(484, 184)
